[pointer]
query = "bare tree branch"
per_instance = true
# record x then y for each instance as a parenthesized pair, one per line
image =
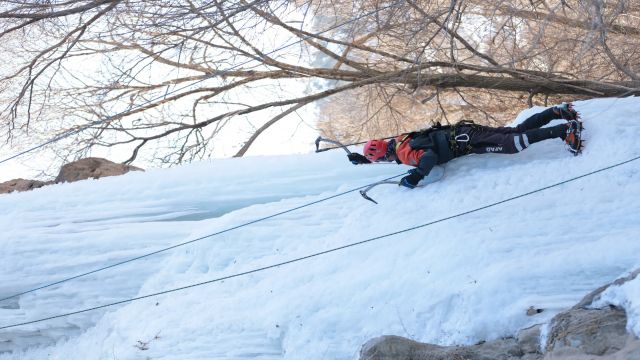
(161, 79)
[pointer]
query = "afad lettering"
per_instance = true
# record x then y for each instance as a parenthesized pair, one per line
(494, 148)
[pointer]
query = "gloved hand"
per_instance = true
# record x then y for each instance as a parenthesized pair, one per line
(566, 111)
(356, 159)
(412, 180)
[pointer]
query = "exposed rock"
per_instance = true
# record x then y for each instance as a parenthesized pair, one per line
(529, 339)
(590, 331)
(630, 351)
(584, 331)
(580, 333)
(396, 347)
(92, 168)
(531, 311)
(21, 185)
(89, 168)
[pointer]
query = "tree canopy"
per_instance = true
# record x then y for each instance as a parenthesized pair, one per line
(164, 77)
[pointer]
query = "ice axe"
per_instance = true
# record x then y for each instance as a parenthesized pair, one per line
(340, 145)
(320, 138)
(390, 182)
(363, 192)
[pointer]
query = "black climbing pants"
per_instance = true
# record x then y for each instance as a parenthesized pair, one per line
(479, 139)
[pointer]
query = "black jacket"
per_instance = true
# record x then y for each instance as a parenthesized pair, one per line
(425, 149)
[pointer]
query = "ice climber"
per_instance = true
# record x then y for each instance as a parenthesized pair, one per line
(439, 144)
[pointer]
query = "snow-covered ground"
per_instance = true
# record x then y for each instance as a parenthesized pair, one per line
(458, 281)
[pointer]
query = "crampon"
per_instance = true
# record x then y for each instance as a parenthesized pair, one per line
(574, 137)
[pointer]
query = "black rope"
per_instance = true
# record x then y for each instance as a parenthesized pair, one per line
(109, 118)
(299, 259)
(188, 242)
(194, 240)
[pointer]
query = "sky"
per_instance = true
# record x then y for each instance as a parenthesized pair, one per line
(455, 282)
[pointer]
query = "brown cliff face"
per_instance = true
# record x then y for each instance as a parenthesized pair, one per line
(21, 185)
(89, 168)
(92, 168)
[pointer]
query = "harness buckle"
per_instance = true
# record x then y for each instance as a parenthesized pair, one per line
(460, 142)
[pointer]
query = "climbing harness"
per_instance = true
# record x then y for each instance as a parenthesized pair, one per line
(459, 143)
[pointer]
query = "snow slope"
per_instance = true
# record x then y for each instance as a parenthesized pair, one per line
(458, 281)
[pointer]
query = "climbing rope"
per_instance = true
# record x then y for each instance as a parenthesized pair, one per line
(332, 250)
(203, 237)
(190, 241)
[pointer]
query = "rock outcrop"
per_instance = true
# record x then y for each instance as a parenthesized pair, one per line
(89, 168)
(395, 347)
(21, 185)
(92, 168)
(584, 332)
(581, 332)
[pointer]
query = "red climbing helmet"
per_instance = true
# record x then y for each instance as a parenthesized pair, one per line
(375, 149)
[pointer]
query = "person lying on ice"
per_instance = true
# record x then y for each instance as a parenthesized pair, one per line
(437, 145)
